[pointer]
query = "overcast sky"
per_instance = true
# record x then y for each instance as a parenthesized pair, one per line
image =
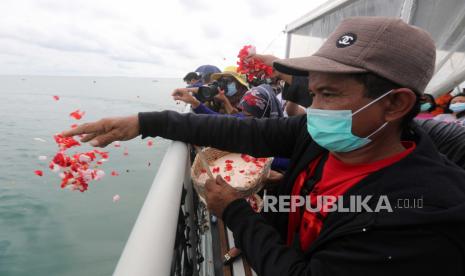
(142, 38)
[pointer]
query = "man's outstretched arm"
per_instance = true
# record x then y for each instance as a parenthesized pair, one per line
(257, 137)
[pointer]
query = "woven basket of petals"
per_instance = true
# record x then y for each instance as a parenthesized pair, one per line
(243, 172)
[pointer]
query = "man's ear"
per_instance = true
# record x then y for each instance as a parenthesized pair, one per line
(400, 102)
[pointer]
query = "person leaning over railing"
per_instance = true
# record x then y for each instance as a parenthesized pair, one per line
(259, 102)
(357, 141)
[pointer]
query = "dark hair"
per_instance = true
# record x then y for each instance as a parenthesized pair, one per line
(448, 110)
(433, 102)
(191, 76)
(206, 77)
(376, 86)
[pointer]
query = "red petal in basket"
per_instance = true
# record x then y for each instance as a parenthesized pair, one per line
(228, 167)
(227, 178)
(229, 161)
(216, 170)
(39, 172)
(246, 158)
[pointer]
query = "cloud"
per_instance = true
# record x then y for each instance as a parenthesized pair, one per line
(136, 38)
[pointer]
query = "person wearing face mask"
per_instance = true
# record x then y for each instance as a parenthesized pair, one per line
(456, 110)
(236, 87)
(428, 104)
(356, 141)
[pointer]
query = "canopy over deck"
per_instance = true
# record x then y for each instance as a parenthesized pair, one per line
(445, 20)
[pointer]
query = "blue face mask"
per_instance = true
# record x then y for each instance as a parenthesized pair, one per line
(424, 107)
(231, 89)
(332, 129)
(457, 107)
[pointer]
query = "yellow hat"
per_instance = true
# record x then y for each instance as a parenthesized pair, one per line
(231, 71)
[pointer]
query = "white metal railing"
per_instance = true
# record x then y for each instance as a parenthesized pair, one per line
(149, 249)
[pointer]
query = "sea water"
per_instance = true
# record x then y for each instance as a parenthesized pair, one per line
(46, 230)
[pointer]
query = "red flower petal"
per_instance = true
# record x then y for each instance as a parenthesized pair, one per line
(39, 172)
(77, 114)
(114, 173)
(56, 98)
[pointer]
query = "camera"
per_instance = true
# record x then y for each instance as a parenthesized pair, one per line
(208, 92)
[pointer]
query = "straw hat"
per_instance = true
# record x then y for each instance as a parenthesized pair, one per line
(231, 71)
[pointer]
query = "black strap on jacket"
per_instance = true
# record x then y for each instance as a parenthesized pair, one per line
(314, 178)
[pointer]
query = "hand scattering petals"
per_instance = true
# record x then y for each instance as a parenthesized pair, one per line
(252, 67)
(77, 170)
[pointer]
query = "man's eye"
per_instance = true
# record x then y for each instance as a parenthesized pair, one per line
(328, 94)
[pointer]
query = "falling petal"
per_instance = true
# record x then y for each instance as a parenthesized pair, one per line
(149, 143)
(56, 98)
(42, 158)
(99, 175)
(39, 172)
(114, 173)
(117, 144)
(40, 140)
(77, 114)
(116, 198)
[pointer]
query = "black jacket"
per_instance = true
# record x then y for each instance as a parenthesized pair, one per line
(426, 241)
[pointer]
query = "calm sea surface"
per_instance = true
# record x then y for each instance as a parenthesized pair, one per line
(45, 230)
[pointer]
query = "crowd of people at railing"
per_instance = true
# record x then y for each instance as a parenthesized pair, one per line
(285, 95)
